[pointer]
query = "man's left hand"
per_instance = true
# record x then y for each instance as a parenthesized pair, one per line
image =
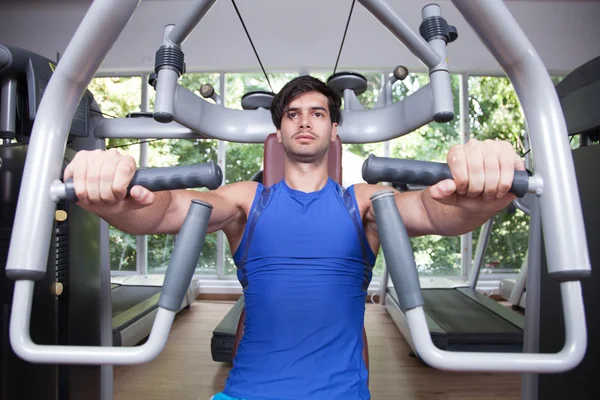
(482, 176)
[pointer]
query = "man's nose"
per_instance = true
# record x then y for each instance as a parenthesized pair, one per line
(305, 122)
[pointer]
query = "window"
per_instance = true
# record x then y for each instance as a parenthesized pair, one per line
(117, 97)
(495, 113)
(163, 153)
(434, 255)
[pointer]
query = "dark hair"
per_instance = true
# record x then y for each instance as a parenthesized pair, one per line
(299, 86)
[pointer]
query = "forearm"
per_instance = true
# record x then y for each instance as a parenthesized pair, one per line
(130, 217)
(450, 220)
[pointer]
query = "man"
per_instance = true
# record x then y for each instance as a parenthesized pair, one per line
(304, 247)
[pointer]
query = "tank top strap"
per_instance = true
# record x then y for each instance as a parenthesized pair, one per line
(261, 199)
(348, 197)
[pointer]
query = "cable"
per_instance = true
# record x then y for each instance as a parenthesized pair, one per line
(344, 38)
(134, 143)
(252, 44)
(102, 113)
(122, 145)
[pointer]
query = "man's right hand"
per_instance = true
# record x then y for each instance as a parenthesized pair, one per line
(102, 177)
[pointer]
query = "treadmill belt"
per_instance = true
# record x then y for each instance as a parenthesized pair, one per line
(457, 313)
(130, 303)
(223, 339)
(125, 297)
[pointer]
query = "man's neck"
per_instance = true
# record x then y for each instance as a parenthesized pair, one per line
(306, 177)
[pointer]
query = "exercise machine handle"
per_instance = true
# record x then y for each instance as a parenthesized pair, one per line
(403, 272)
(179, 274)
(383, 169)
(185, 256)
(395, 242)
(208, 175)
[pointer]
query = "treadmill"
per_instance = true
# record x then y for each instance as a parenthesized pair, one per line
(223, 339)
(135, 304)
(459, 317)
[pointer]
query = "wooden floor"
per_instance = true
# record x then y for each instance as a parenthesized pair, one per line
(185, 370)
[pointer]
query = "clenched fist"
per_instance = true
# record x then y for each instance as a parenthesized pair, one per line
(482, 175)
(102, 177)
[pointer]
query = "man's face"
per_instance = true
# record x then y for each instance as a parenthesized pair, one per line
(306, 128)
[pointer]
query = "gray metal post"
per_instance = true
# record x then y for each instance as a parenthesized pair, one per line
(466, 240)
(529, 381)
(166, 86)
(482, 243)
(222, 162)
(439, 76)
(8, 108)
(106, 332)
(385, 275)
(527, 147)
(141, 256)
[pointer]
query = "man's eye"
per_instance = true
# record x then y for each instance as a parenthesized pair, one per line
(318, 114)
(292, 115)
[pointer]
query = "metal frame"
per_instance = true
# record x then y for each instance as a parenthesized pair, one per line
(491, 20)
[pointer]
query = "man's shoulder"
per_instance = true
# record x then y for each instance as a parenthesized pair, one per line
(239, 192)
(364, 191)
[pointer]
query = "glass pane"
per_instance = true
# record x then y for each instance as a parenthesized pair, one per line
(354, 154)
(160, 248)
(173, 152)
(122, 250)
(117, 97)
(507, 245)
(495, 113)
(434, 255)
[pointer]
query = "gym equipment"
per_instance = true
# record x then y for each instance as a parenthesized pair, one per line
(349, 85)
(67, 306)
(257, 99)
(135, 301)
(579, 94)
(179, 113)
(459, 317)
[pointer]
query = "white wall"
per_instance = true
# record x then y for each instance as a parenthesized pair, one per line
(306, 34)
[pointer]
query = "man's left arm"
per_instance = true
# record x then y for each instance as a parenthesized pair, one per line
(482, 174)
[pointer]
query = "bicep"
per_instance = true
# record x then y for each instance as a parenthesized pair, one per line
(224, 210)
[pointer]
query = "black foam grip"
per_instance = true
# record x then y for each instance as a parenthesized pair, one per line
(208, 175)
(383, 169)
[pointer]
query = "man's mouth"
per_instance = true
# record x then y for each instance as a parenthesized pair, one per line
(304, 136)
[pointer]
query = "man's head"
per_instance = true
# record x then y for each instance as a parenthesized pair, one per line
(306, 113)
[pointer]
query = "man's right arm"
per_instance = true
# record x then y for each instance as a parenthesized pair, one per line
(101, 179)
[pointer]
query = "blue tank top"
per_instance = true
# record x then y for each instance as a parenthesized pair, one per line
(305, 265)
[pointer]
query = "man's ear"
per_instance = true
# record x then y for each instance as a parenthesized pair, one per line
(334, 131)
(279, 135)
